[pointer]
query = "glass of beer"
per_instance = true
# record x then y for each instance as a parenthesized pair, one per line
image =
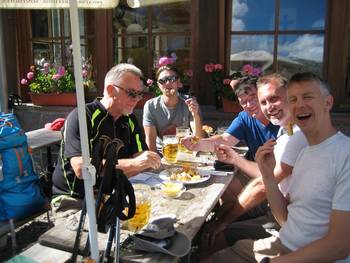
(182, 132)
(170, 147)
(143, 208)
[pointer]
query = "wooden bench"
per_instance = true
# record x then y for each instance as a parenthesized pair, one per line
(11, 225)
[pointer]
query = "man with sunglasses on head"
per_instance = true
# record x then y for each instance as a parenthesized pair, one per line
(163, 114)
(110, 116)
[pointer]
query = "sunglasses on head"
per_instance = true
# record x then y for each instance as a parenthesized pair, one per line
(132, 93)
(170, 79)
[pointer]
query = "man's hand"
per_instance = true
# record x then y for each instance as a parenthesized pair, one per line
(266, 158)
(192, 143)
(193, 106)
(147, 160)
(211, 231)
(226, 154)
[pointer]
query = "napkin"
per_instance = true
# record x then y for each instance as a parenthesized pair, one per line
(148, 178)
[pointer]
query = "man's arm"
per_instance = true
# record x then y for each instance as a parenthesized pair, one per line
(77, 163)
(227, 155)
(132, 166)
(266, 161)
(208, 144)
(151, 137)
(335, 245)
(139, 163)
(198, 132)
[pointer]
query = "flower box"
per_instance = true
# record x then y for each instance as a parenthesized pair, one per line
(54, 99)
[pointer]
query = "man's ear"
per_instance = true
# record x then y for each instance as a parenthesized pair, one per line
(110, 90)
(329, 100)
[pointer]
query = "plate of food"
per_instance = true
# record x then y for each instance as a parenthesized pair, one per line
(185, 175)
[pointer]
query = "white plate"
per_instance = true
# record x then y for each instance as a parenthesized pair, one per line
(165, 176)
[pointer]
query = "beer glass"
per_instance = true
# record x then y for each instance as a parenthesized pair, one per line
(143, 208)
(170, 147)
(182, 132)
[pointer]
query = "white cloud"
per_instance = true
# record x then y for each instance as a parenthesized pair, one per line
(237, 24)
(318, 23)
(239, 9)
(307, 46)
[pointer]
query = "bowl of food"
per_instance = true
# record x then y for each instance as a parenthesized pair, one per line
(172, 189)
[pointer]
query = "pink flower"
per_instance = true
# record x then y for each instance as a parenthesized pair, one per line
(46, 65)
(24, 81)
(30, 75)
(61, 71)
(256, 71)
(188, 72)
(209, 67)
(163, 61)
(149, 82)
(56, 76)
(45, 70)
(226, 81)
(218, 67)
(248, 69)
(85, 73)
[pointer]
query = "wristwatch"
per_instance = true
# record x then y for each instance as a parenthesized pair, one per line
(265, 260)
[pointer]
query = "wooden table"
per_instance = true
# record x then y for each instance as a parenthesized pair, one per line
(191, 210)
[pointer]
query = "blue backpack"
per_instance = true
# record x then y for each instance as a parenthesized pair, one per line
(20, 194)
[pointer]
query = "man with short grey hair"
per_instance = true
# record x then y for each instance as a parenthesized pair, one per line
(111, 116)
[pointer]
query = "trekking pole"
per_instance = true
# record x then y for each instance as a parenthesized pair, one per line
(117, 238)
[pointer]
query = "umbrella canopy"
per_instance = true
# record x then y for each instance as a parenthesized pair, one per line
(88, 169)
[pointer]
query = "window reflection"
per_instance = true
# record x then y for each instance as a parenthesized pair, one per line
(301, 14)
(40, 23)
(131, 49)
(171, 17)
(164, 27)
(253, 15)
(297, 53)
(251, 49)
(170, 46)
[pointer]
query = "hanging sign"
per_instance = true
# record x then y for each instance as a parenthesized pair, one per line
(53, 4)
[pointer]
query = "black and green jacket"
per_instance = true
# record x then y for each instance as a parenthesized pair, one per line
(99, 122)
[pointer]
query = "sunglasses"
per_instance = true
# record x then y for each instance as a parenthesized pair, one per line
(170, 79)
(132, 93)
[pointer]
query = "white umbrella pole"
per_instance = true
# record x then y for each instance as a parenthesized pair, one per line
(88, 170)
(3, 81)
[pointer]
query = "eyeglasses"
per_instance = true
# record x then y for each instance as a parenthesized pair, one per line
(252, 99)
(132, 93)
(171, 79)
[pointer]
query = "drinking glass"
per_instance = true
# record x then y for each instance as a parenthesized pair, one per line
(170, 148)
(143, 207)
(182, 132)
(221, 129)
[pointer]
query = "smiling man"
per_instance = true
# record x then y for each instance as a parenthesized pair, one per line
(272, 97)
(164, 113)
(111, 116)
(315, 214)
